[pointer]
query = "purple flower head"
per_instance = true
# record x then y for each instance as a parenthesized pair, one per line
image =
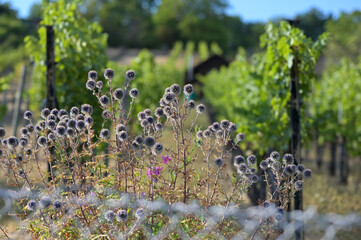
(166, 159)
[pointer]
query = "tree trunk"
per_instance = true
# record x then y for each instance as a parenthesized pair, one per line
(333, 151)
(343, 162)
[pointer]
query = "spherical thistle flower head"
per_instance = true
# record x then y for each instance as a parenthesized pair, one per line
(288, 171)
(216, 126)
(5, 141)
(219, 134)
(253, 178)
(300, 168)
(167, 111)
(104, 100)
(169, 97)
(278, 217)
(70, 132)
(270, 161)
(54, 112)
(266, 204)
(130, 74)
(288, 159)
(42, 141)
(19, 158)
(191, 104)
(157, 149)
(264, 164)
(276, 165)
(251, 160)
(63, 124)
(232, 127)
(109, 215)
(89, 120)
(23, 142)
(38, 128)
(90, 84)
(12, 142)
(307, 174)
(207, 134)
(150, 119)
(218, 162)
(298, 185)
(139, 140)
(80, 125)
(108, 74)
(135, 145)
(51, 117)
(167, 90)
(74, 111)
(118, 94)
(45, 202)
(122, 215)
(104, 133)
(224, 124)
(175, 89)
(51, 136)
(45, 113)
(120, 127)
(24, 131)
(251, 170)
(141, 116)
(60, 131)
(159, 112)
(188, 89)
(32, 204)
(201, 108)
(61, 113)
(21, 173)
(140, 213)
(71, 123)
(199, 134)
(30, 128)
(122, 136)
(87, 109)
(162, 102)
(241, 168)
(144, 123)
(99, 84)
(149, 141)
(148, 112)
(239, 160)
(133, 93)
(28, 152)
(93, 75)
(106, 114)
(51, 125)
(2, 132)
(158, 126)
(28, 115)
(275, 156)
(57, 204)
(240, 137)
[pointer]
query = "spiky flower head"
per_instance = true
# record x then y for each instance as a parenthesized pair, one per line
(307, 174)
(104, 100)
(57, 204)
(99, 84)
(148, 112)
(42, 141)
(60, 131)
(106, 114)
(159, 112)
(298, 185)
(169, 97)
(275, 156)
(70, 132)
(24, 131)
(191, 104)
(12, 142)
(201, 108)
(109, 215)
(232, 127)
(30, 128)
(23, 142)
(240, 137)
(2, 132)
(71, 123)
(266, 204)
(108, 74)
(80, 125)
(45, 202)
(118, 94)
(122, 136)
(288, 159)
(253, 178)
(251, 160)
(158, 126)
(300, 168)
(199, 134)
(104, 133)
(176, 89)
(45, 113)
(28, 115)
(224, 124)
(130, 74)
(264, 164)
(62, 112)
(74, 111)
(157, 149)
(90, 84)
(32, 204)
(242, 168)
(239, 160)
(188, 89)
(140, 213)
(133, 93)
(93, 75)
(149, 142)
(144, 123)
(218, 162)
(87, 109)
(122, 215)
(139, 140)
(207, 134)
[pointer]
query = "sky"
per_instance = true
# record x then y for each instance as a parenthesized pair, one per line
(253, 10)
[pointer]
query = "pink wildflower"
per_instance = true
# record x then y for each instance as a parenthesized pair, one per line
(166, 159)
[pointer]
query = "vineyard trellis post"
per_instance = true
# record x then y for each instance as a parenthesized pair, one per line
(295, 130)
(51, 99)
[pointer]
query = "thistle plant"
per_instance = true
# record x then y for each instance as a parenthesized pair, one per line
(106, 184)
